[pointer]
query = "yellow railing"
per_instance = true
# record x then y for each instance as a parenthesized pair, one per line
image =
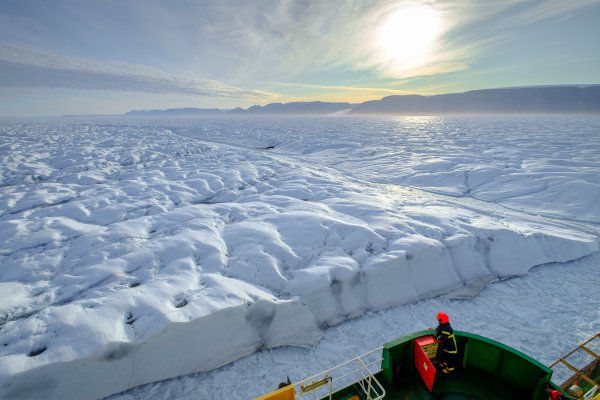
(359, 371)
(586, 375)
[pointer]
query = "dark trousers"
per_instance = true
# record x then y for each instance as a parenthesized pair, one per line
(448, 359)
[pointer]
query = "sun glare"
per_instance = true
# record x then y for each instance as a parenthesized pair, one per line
(406, 38)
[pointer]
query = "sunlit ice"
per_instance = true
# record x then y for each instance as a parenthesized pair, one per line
(406, 37)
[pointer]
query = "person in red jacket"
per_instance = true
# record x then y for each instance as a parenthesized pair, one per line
(445, 334)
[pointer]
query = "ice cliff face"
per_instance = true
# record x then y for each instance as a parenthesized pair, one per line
(131, 255)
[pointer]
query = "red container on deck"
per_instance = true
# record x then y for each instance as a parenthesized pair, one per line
(425, 349)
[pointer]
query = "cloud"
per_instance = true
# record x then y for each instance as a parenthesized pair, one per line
(23, 66)
(339, 88)
(471, 29)
(288, 40)
(548, 9)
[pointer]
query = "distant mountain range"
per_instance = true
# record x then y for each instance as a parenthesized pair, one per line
(294, 108)
(313, 107)
(176, 111)
(581, 99)
(544, 100)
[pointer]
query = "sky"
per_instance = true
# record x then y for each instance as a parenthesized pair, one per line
(108, 57)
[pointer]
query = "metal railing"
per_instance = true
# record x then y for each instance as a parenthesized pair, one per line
(583, 365)
(359, 371)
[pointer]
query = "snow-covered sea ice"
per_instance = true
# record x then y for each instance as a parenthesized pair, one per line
(135, 251)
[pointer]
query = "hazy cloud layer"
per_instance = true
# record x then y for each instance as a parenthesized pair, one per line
(269, 40)
(289, 40)
(26, 66)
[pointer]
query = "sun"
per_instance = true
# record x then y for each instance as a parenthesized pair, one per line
(406, 38)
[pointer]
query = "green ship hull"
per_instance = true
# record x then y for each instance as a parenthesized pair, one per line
(406, 369)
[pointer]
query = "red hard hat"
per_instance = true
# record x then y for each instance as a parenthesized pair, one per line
(443, 317)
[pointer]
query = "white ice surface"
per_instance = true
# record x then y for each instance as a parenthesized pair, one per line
(136, 251)
(544, 314)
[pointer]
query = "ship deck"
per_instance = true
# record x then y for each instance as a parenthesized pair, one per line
(465, 384)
